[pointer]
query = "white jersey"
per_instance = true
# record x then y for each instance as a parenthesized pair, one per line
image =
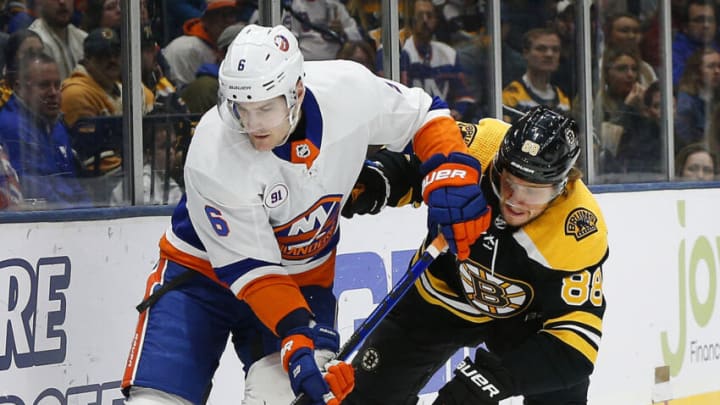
(252, 214)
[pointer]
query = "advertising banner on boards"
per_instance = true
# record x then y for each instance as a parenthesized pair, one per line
(68, 293)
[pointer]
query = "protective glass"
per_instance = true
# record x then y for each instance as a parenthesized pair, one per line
(528, 194)
(260, 116)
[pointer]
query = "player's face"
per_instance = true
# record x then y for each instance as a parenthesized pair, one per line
(266, 122)
(522, 201)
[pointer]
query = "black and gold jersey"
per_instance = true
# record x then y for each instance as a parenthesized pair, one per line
(533, 294)
(520, 96)
(538, 288)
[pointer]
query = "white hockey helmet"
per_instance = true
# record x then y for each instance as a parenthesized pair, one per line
(260, 64)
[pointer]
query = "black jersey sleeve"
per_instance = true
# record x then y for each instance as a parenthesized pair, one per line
(561, 345)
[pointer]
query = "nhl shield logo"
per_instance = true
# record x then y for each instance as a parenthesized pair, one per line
(302, 151)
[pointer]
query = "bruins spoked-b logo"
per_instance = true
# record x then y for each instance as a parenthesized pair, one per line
(370, 359)
(493, 295)
(581, 223)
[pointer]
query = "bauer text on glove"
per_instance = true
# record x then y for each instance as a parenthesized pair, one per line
(451, 190)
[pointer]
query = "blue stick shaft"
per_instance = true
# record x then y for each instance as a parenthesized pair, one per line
(437, 246)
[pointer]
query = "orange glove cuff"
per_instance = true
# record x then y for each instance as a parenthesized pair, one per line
(292, 344)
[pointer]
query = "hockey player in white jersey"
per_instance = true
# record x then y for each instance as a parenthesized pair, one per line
(251, 249)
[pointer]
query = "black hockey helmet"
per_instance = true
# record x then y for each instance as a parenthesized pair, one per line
(541, 147)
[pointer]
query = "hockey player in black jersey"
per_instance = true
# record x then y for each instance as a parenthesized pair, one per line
(530, 291)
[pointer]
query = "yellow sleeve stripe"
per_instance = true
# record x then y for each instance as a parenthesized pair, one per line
(579, 330)
(575, 341)
(582, 317)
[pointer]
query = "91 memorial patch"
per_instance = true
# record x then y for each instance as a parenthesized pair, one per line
(581, 223)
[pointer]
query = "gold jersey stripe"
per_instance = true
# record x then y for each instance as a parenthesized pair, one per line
(585, 318)
(575, 341)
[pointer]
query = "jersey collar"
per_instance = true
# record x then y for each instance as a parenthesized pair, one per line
(305, 148)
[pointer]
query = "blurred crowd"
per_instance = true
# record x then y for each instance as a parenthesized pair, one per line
(61, 137)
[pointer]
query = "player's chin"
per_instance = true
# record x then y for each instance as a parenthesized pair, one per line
(262, 143)
(515, 216)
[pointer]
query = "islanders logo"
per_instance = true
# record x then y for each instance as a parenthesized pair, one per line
(311, 232)
(282, 43)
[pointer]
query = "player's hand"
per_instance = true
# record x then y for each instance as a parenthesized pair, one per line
(328, 387)
(482, 382)
(451, 190)
(370, 193)
(326, 341)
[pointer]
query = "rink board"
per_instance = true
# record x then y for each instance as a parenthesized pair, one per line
(68, 292)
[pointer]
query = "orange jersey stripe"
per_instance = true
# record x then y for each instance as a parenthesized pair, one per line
(170, 252)
(272, 298)
(322, 275)
(154, 279)
(440, 135)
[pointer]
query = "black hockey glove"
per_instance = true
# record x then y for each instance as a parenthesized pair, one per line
(370, 193)
(483, 382)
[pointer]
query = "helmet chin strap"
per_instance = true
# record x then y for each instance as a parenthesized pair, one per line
(294, 116)
(293, 119)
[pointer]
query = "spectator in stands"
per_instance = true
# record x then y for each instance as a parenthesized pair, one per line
(20, 43)
(321, 26)
(695, 162)
(101, 14)
(650, 43)
(159, 157)
(63, 41)
(640, 152)
(17, 16)
(618, 102)
(10, 194)
(367, 14)
(541, 49)
(93, 90)
(473, 56)
(179, 11)
(174, 13)
(160, 92)
(622, 30)
(37, 140)
(698, 91)
(433, 65)
(187, 53)
(563, 22)
(201, 94)
(698, 32)
(358, 51)
(461, 19)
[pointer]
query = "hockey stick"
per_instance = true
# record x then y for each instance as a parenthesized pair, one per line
(437, 246)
